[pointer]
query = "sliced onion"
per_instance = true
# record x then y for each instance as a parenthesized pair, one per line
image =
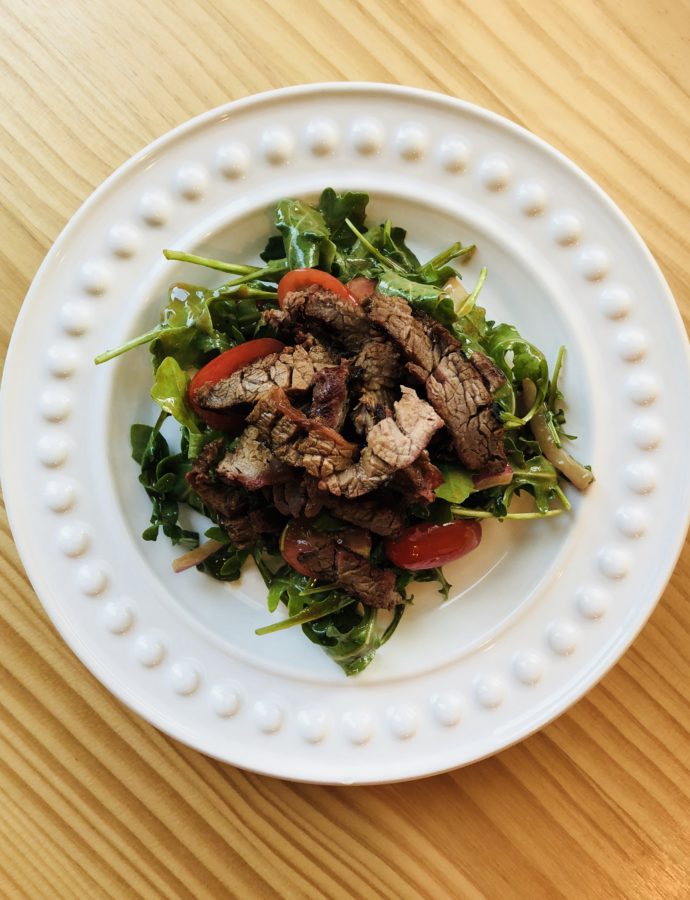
(196, 556)
(455, 289)
(574, 471)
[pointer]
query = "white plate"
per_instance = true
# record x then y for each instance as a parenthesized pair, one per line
(540, 612)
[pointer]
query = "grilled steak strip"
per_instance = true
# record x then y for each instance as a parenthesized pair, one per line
(327, 313)
(298, 440)
(459, 388)
(291, 498)
(334, 557)
(377, 372)
(418, 481)
(251, 464)
(329, 399)
(392, 444)
(293, 369)
(375, 513)
(228, 502)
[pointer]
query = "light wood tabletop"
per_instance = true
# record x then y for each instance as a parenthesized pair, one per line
(94, 802)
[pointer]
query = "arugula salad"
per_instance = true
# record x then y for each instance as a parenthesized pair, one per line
(348, 416)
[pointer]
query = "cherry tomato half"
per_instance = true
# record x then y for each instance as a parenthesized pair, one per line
(298, 279)
(426, 546)
(221, 367)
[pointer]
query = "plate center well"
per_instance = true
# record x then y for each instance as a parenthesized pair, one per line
(492, 586)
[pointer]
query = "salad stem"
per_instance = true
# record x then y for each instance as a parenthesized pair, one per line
(309, 614)
(233, 268)
(123, 348)
(455, 251)
(375, 252)
(463, 513)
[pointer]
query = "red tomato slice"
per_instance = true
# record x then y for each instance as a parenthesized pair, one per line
(299, 279)
(426, 546)
(221, 367)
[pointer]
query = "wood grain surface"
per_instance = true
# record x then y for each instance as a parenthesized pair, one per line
(96, 803)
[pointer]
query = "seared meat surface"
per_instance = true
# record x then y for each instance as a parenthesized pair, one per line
(293, 370)
(230, 503)
(335, 427)
(298, 440)
(251, 463)
(330, 401)
(392, 444)
(458, 387)
(376, 374)
(320, 311)
(337, 556)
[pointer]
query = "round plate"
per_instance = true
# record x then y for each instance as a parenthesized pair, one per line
(536, 615)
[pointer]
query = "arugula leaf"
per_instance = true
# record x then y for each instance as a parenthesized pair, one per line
(226, 563)
(305, 235)
(162, 476)
(540, 479)
(185, 330)
(351, 637)
(395, 249)
(170, 393)
(274, 249)
(405, 577)
(457, 484)
(336, 208)
(527, 362)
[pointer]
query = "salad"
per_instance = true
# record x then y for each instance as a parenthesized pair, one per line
(348, 416)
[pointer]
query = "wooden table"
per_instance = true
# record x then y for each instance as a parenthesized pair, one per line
(95, 802)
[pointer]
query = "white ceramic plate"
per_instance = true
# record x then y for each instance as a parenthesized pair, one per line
(539, 613)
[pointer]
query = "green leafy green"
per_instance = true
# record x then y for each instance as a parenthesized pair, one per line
(526, 361)
(162, 474)
(351, 636)
(457, 484)
(226, 563)
(198, 322)
(305, 235)
(336, 208)
(170, 393)
(185, 330)
(540, 479)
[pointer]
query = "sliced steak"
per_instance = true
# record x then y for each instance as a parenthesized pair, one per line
(298, 440)
(394, 316)
(228, 502)
(459, 388)
(374, 587)
(336, 556)
(291, 498)
(329, 314)
(418, 481)
(330, 399)
(293, 370)
(251, 464)
(392, 444)
(459, 392)
(375, 513)
(377, 372)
